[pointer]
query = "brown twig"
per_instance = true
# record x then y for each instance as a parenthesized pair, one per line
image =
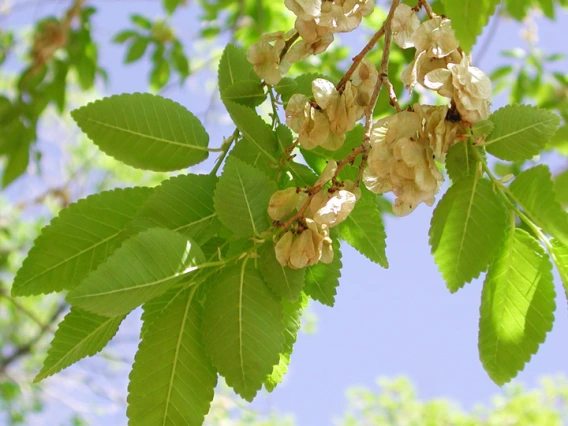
(392, 94)
(317, 188)
(357, 59)
(383, 72)
(427, 8)
(289, 44)
(26, 348)
(365, 145)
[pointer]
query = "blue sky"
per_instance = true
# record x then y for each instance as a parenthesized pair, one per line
(400, 321)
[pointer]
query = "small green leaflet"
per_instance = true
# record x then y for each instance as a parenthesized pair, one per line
(322, 279)
(172, 379)
(517, 306)
(234, 68)
(144, 131)
(468, 19)
(255, 130)
(250, 153)
(560, 257)
(533, 189)
(79, 335)
(172, 5)
(301, 84)
(467, 228)
(247, 92)
(461, 161)
(243, 329)
(364, 230)
(241, 198)
(144, 267)
(136, 49)
(521, 132)
(284, 281)
(77, 241)
(482, 129)
(292, 323)
(184, 204)
(518, 8)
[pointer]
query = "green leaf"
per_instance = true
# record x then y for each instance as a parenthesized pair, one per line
(77, 241)
(559, 141)
(461, 161)
(125, 35)
(136, 49)
(144, 267)
(179, 60)
(517, 306)
(79, 335)
(247, 92)
(17, 164)
(521, 132)
(172, 380)
(322, 279)
(255, 130)
(141, 21)
(183, 204)
(234, 67)
(533, 189)
(243, 328)
(292, 322)
(467, 228)
(301, 84)
(559, 254)
(144, 131)
(284, 281)
(172, 5)
(547, 6)
(160, 74)
(482, 128)
(241, 198)
(364, 230)
(468, 19)
(518, 8)
(561, 187)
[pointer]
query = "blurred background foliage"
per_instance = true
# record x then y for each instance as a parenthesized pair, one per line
(52, 65)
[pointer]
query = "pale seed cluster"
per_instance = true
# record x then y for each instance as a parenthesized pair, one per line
(403, 151)
(405, 147)
(325, 120)
(316, 22)
(309, 242)
(440, 65)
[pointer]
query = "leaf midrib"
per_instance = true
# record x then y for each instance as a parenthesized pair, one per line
(143, 135)
(54, 368)
(68, 259)
(540, 123)
(176, 355)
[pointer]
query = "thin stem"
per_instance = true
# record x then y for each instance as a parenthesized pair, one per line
(365, 145)
(383, 71)
(427, 8)
(273, 102)
(289, 44)
(511, 201)
(224, 151)
(357, 59)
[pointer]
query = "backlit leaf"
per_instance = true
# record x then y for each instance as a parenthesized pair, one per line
(144, 131)
(517, 307)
